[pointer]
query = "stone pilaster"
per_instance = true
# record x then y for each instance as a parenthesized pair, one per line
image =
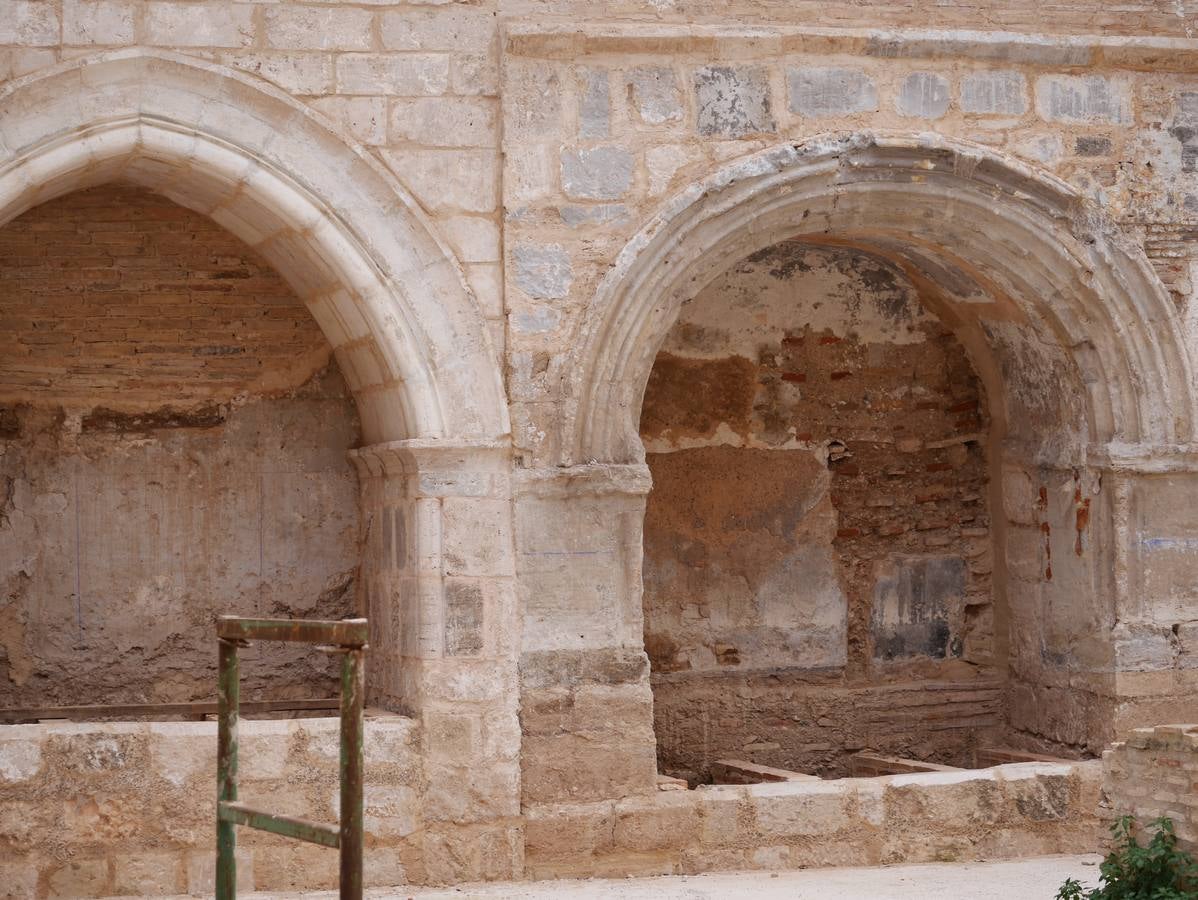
(586, 708)
(439, 588)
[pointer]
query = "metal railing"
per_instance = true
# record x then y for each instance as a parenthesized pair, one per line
(347, 637)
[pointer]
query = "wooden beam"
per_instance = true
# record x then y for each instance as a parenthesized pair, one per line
(998, 756)
(866, 765)
(738, 771)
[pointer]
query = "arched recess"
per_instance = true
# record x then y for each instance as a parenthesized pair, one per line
(389, 296)
(1081, 352)
(989, 238)
(385, 290)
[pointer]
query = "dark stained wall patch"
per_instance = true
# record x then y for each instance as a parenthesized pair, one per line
(914, 601)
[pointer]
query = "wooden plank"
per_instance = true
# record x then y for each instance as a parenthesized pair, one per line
(867, 764)
(739, 771)
(133, 710)
(340, 632)
(288, 826)
(998, 756)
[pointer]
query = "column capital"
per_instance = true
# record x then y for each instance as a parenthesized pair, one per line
(440, 468)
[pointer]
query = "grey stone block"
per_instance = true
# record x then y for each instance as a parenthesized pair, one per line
(1082, 98)
(576, 216)
(596, 173)
(733, 101)
(594, 108)
(1092, 146)
(1001, 93)
(923, 95)
(655, 95)
(543, 270)
(830, 91)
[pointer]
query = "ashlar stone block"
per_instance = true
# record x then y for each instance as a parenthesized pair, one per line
(830, 91)
(923, 95)
(596, 173)
(543, 271)
(594, 104)
(655, 95)
(656, 822)
(1002, 93)
(733, 101)
(1082, 98)
(20, 759)
(800, 809)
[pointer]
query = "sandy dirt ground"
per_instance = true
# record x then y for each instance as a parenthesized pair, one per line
(1024, 879)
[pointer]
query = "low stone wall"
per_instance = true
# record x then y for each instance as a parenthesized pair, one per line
(1154, 773)
(1006, 811)
(100, 809)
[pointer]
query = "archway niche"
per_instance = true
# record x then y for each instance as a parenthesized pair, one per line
(175, 447)
(390, 300)
(1088, 400)
(818, 565)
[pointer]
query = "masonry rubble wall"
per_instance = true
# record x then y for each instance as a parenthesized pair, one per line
(134, 803)
(1153, 773)
(606, 127)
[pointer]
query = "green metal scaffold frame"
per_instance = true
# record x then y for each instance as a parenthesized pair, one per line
(346, 637)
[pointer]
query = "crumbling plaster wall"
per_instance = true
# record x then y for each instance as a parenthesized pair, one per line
(175, 449)
(819, 518)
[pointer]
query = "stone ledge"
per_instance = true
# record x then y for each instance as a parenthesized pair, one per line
(557, 41)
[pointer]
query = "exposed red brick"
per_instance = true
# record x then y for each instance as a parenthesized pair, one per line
(122, 298)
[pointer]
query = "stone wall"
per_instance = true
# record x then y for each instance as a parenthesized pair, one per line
(495, 211)
(1011, 810)
(416, 86)
(1154, 773)
(662, 158)
(159, 384)
(97, 810)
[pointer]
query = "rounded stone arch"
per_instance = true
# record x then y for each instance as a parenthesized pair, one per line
(388, 294)
(1064, 316)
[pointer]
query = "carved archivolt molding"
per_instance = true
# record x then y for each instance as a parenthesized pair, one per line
(1072, 318)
